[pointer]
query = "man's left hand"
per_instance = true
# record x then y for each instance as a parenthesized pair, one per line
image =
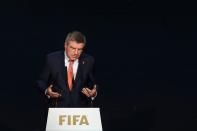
(88, 92)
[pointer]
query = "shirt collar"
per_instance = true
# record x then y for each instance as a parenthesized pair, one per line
(67, 59)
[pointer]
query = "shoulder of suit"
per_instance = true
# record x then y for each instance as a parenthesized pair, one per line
(87, 57)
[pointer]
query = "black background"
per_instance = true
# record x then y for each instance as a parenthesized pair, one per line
(145, 55)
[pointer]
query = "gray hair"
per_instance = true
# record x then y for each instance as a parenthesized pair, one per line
(76, 36)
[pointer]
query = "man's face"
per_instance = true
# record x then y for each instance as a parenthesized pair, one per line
(73, 49)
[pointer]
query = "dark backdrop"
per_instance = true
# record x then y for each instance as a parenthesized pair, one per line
(145, 55)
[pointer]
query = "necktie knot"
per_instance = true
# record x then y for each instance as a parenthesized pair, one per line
(71, 62)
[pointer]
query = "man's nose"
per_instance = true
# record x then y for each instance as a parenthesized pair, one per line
(76, 51)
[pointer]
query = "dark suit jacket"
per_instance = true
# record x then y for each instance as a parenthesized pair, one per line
(55, 73)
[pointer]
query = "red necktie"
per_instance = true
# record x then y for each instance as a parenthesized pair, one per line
(70, 74)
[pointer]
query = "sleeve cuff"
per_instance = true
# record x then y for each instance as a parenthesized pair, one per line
(93, 97)
(45, 92)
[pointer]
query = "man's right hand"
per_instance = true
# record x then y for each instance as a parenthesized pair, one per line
(51, 93)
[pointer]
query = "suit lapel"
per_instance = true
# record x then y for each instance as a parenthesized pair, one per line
(63, 68)
(79, 75)
(79, 71)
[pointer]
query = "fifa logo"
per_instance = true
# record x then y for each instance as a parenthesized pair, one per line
(73, 120)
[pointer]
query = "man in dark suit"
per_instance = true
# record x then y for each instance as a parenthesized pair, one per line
(67, 78)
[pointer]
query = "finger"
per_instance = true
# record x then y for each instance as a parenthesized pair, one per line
(54, 94)
(84, 91)
(89, 91)
(94, 89)
(93, 92)
(50, 86)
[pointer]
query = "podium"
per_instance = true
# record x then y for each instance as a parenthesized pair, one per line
(74, 119)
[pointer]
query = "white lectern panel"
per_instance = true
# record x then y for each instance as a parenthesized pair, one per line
(74, 119)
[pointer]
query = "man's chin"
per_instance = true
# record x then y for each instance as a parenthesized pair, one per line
(74, 58)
